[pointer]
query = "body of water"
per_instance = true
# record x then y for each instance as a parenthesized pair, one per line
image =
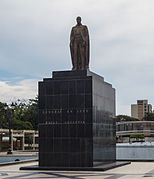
(135, 151)
(6, 159)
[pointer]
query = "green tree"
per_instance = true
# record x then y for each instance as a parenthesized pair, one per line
(21, 125)
(121, 118)
(137, 136)
(24, 115)
(3, 119)
(27, 114)
(149, 117)
(31, 113)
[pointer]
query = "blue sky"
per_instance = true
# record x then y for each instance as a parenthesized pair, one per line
(34, 41)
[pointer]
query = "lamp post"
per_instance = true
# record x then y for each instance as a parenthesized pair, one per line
(9, 119)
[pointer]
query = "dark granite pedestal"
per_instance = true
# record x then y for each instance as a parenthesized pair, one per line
(76, 120)
(98, 166)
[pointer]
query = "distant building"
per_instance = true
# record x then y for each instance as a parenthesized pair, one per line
(126, 131)
(140, 109)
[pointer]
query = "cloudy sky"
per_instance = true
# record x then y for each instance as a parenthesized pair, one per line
(34, 41)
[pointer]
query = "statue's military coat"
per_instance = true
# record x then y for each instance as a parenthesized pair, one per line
(80, 31)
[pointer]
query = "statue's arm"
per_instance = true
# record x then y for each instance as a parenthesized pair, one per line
(86, 35)
(71, 37)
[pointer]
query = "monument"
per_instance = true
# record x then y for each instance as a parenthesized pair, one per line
(79, 46)
(76, 112)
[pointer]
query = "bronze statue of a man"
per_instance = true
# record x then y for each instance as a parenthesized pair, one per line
(79, 46)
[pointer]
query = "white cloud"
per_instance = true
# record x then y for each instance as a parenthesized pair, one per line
(25, 89)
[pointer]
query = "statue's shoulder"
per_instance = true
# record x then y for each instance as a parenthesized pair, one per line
(74, 27)
(85, 26)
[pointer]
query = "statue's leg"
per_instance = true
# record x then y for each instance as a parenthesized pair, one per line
(75, 55)
(72, 56)
(82, 52)
(87, 57)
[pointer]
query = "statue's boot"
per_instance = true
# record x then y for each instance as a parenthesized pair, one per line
(87, 67)
(74, 68)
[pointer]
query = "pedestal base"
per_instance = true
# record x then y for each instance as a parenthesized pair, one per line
(98, 166)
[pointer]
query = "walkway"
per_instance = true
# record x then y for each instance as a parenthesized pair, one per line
(135, 170)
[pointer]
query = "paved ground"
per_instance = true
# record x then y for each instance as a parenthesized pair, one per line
(133, 171)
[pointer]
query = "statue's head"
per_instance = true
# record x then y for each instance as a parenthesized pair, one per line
(78, 20)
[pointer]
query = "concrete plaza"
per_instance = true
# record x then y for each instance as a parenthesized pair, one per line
(133, 171)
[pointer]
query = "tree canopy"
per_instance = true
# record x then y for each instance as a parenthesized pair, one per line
(149, 117)
(23, 117)
(121, 118)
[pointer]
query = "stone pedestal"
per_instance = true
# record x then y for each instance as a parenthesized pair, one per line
(76, 120)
